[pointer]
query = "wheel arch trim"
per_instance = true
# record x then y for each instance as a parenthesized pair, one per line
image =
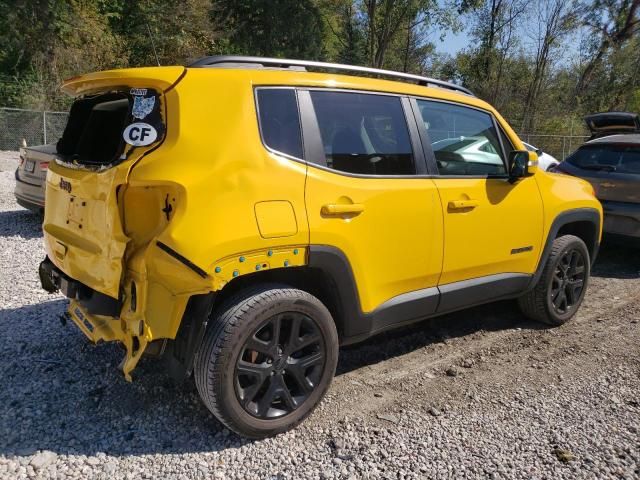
(565, 219)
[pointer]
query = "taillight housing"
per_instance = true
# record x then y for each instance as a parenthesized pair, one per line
(44, 166)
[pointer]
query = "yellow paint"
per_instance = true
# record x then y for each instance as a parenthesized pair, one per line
(392, 238)
(230, 199)
(276, 219)
(107, 329)
(484, 219)
(83, 233)
(161, 78)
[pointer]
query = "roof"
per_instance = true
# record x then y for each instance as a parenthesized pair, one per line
(233, 61)
(624, 138)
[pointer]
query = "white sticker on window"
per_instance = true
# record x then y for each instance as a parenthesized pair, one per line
(140, 134)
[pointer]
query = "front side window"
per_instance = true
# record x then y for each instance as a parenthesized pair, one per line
(464, 140)
(279, 120)
(364, 133)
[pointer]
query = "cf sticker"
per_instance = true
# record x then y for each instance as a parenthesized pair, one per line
(64, 185)
(140, 134)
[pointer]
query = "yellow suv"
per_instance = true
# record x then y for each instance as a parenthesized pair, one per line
(243, 217)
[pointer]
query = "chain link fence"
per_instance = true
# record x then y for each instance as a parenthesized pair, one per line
(558, 146)
(38, 128)
(33, 126)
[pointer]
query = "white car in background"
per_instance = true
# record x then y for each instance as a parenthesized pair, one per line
(545, 161)
(480, 150)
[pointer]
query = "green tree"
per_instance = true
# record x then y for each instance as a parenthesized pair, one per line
(42, 42)
(276, 28)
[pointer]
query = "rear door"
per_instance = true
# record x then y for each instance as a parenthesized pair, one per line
(367, 193)
(108, 129)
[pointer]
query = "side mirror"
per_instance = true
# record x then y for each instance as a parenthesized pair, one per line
(522, 163)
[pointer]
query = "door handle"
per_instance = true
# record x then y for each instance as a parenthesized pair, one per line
(462, 204)
(342, 208)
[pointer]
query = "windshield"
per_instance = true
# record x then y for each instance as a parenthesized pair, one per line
(614, 158)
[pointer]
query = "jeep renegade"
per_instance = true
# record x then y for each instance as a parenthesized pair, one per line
(243, 217)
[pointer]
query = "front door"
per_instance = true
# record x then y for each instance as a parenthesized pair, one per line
(492, 228)
(364, 195)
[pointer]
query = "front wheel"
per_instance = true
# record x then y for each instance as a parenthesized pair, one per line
(560, 289)
(267, 360)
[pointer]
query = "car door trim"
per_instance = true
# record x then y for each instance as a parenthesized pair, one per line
(467, 293)
(354, 325)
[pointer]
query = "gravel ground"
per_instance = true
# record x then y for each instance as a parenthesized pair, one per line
(478, 394)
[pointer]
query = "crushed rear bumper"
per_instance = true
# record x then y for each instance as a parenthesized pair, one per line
(97, 315)
(94, 303)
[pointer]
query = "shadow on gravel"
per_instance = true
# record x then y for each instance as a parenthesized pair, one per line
(491, 317)
(617, 259)
(20, 223)
(59, 392)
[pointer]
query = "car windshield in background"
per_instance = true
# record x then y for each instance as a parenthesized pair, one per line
(613, 158)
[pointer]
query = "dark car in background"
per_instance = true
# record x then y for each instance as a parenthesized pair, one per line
(610, 161)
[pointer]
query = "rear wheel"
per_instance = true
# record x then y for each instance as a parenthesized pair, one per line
(267, 360)
(562, 285)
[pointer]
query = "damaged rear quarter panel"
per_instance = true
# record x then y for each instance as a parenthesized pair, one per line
(214, 161)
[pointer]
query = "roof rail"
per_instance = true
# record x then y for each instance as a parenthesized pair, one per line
(229, 61)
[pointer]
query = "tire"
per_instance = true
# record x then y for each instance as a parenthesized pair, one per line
(257, 382)
(567, 270)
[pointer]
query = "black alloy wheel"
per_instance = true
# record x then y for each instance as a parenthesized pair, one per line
(280, 365)
(267, 359)
(568, 281)
(562, 284)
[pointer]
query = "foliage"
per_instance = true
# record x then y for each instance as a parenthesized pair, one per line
(542, 63)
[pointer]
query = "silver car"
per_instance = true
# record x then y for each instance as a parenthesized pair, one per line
(31, 175)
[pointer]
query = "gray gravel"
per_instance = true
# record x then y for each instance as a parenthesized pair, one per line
(478, 394)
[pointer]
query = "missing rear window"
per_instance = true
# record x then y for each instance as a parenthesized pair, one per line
(97, 126)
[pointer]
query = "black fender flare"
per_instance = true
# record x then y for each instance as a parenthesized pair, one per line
(353, 324)
(590, 215)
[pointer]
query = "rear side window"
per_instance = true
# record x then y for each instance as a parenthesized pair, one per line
(464, 140)
(611, 158)
(364, 133)
(279, 120)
